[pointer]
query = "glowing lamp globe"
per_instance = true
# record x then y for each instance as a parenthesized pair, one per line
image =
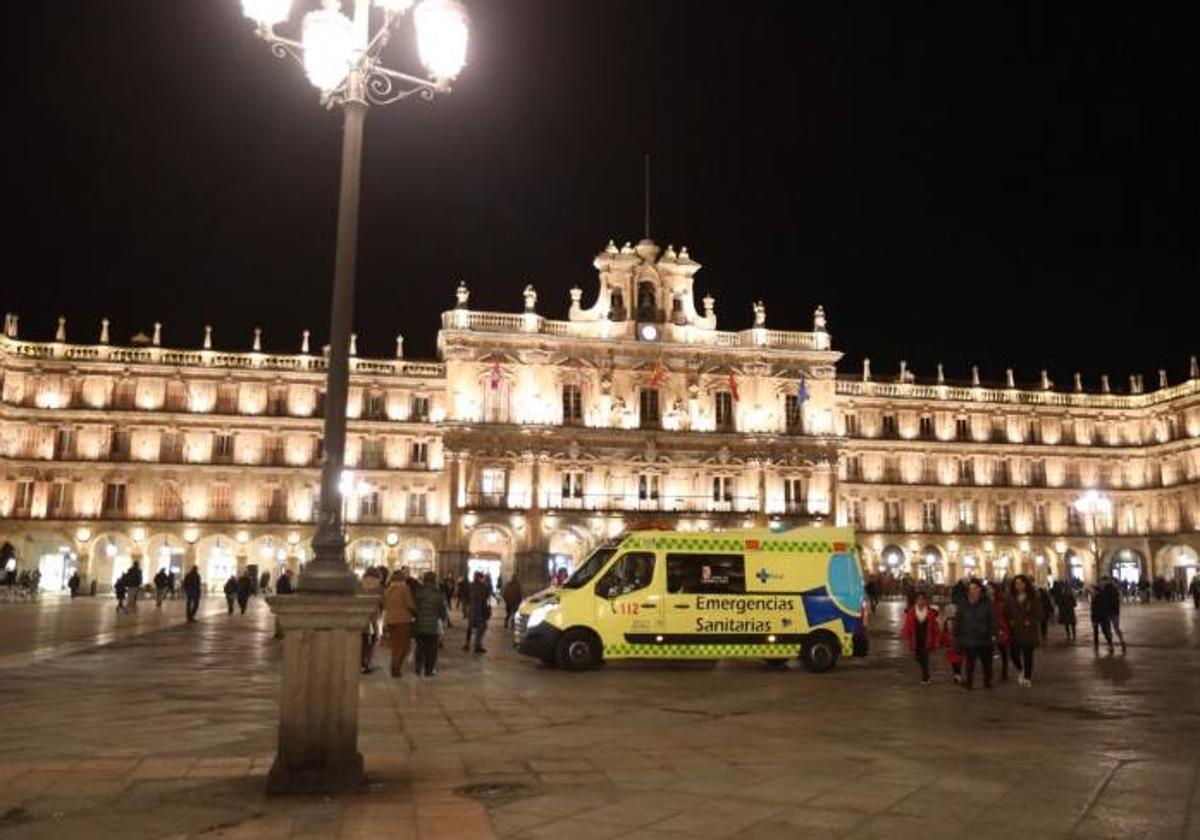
(441, 37)
(395, 7)
(328, 39)
(267, 12)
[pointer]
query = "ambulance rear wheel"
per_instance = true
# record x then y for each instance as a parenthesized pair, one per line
(820, 652)
(577, 650)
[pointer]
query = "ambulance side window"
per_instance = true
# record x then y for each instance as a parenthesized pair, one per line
(632, 571)
(712, 574)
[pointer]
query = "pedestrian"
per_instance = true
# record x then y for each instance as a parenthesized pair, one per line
(73, 584)
(462, 595)
(432, 611)
(284, 586)
(975, 629)
(512, 594)
(954, 658)
(479, 610)
(371, 585)
(1066, 612)
(1101, 613)
(1112, 596)
(231, 588)
(134, 585)
(160, 588)
(1002, 629)
(920, 633)
(1194, 590)
(264, 583)
(1047, 611)
(191, 591)
(121, 589)
(1024, 610)
(399, 609)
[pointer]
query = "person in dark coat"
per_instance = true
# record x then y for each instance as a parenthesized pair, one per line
(73, 584)
(920, 633)
(1066, 611)
(245, 588)
(160, 588)
(284, 585)
(975, 626)
(1047, 610)
(1024, 609)
(432, 612)
(264, 583)
(462, 595)
(231, 587)
(1112, 597)
(191, 591)
(512, 595)
(479, 610)
(133, 582)
(121, 589)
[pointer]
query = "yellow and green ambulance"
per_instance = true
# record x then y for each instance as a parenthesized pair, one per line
(753, 593)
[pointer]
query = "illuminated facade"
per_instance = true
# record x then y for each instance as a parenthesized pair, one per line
(531, 439)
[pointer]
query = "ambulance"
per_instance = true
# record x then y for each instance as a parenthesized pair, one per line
(753, 593)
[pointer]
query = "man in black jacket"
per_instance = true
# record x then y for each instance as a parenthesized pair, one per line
(975, 632)
(191, 591)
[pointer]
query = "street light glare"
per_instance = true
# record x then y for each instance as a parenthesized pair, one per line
(328, 38)
(441, 37)
(396, 7)
(267, 12)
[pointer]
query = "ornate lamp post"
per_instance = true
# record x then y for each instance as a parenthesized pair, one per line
(318, 727)
(1096, 507)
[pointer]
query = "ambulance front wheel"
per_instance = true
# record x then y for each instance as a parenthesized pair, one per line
(820, 652)
(577, 650)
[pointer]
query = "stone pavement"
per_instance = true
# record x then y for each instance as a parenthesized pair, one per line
(163, 730)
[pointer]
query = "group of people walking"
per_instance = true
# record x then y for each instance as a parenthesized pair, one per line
(1011, 620)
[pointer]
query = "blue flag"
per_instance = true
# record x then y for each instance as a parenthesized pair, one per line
(802, 391)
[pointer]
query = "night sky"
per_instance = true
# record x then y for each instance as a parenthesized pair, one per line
(1005, 187)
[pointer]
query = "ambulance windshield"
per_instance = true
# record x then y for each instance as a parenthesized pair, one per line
(591, 567)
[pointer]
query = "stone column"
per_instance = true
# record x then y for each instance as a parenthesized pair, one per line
(318, 698)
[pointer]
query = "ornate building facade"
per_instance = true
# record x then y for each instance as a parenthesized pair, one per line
(532, 439)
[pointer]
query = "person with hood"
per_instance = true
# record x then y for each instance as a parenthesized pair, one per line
(975, 629)
(920, 633)
(244, 589)
(479, 610)
(191, 591)
(399, 609)
(512, 595)
(432, 610)
(231, 587)
(1024, 610)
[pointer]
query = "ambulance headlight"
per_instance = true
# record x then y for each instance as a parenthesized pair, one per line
(540, 612)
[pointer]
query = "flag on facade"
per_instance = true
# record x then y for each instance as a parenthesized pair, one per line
(802, 391)
(495, 377)
(733, 387)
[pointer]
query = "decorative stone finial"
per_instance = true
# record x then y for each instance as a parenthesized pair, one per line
(1133, 384)
(975, 375)
(1193, 365)
(399, 347)
(819, 319)
(1162, 378)
(941, 374)
(1008, 378)
(576, 294)
(903, 377)
(257, 339)
(208, 336)
(461, 295)
(530, 296)
(611, 247)
(1046, 383)
(669, 254)
(760, 314)
(353, 344)
(156, 340)
(60, 334)
(866, 370)
(709, 302)
(683, 254)
(1104, 384)
(104, 331)
(304, 342)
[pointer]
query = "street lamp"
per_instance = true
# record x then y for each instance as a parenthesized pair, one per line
(341, 57)
(1095, 506)
(318, 704)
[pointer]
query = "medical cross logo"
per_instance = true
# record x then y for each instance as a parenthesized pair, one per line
(763, 576)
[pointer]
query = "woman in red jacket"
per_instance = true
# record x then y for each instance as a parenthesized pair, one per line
(920, 632)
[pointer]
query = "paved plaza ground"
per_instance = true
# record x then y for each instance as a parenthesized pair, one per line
(144, 727)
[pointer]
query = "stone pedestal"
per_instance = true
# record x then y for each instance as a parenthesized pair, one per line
(318, 700)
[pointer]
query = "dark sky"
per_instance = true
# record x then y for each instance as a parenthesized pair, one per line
(1005, 186)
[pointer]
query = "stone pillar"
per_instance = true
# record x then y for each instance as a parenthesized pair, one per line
(318, 697)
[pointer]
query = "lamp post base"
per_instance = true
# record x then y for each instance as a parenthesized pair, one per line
(318, 697)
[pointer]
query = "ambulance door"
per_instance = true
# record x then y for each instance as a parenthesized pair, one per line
(629, 602)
